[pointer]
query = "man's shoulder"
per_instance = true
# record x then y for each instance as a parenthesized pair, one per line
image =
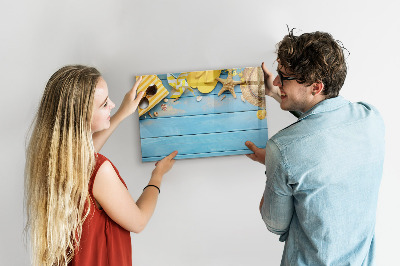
(288, 135)
(326, 121)
(367, 108)
(368, 114)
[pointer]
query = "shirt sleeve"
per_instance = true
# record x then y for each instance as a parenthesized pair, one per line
(277, 209)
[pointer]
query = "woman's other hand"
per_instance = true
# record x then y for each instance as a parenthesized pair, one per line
(164, 165)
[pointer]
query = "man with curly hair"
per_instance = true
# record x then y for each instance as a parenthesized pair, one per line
(323, 171)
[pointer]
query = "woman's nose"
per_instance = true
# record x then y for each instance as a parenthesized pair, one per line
(112, 105)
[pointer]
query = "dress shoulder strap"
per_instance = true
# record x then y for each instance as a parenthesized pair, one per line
(100, 159)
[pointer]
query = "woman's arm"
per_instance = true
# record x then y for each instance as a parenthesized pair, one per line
(116, 201)
(128, 106)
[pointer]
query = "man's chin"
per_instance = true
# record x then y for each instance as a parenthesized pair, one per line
(284, 107)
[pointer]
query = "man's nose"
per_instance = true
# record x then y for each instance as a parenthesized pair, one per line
(277, 81)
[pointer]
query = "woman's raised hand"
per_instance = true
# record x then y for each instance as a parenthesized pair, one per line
(131, 101)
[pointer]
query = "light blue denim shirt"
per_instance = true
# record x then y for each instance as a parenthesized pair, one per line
(323, 176)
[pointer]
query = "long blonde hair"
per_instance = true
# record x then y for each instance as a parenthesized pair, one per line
(59, 160)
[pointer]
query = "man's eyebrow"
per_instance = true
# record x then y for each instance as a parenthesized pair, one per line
(283, 74)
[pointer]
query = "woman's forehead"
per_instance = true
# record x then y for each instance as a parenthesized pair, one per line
(101, 91)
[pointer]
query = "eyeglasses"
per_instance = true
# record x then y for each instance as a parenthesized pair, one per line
(282, 78)
(150, 91)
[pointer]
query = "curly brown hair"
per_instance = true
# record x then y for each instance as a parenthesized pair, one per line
(314, 57)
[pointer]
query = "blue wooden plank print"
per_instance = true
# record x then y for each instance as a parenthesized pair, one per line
(205, 124)
(198, 124)
(203, 143)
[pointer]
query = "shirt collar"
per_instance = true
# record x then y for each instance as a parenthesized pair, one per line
(325, 106)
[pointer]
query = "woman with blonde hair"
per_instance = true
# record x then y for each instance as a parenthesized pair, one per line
(79, 211)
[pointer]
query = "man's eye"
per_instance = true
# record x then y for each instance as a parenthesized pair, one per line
(105, 104)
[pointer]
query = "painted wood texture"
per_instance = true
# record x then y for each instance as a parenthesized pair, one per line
(203, 145)
(205, 128)
(200, 124)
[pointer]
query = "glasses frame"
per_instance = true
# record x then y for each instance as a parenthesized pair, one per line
(282, 78)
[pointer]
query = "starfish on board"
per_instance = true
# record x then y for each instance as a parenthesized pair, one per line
(228, 84)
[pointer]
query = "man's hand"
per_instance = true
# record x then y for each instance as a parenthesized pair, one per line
(270, 89)
(258, 155)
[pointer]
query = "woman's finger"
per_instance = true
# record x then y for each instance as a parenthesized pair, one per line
(139, 96)
(136, 85)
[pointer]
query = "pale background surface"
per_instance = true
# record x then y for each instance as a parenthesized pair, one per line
(208, 209)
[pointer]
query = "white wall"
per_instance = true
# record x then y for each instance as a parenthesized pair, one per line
(208, 208)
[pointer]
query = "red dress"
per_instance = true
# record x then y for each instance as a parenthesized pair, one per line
(103, 241)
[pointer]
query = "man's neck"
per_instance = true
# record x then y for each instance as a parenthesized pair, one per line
(316, 100)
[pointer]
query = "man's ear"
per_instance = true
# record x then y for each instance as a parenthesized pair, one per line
(317, 88)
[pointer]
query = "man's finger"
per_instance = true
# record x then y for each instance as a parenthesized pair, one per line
(265, 69)
(251, 146)
(251, 156)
